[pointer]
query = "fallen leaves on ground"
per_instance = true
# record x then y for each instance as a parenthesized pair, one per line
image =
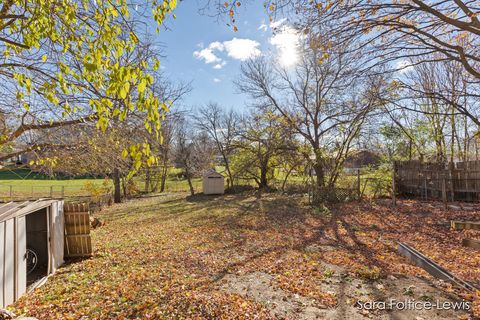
(166, 257)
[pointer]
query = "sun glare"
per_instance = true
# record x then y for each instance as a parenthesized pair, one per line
(287, 43)
(289, 57)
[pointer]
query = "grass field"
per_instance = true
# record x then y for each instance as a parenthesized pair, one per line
(253, 256)
(21, 183)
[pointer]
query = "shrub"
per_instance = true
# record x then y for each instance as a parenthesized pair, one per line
(98, 192)
(132, 188)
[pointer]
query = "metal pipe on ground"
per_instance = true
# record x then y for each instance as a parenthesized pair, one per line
(432, 267)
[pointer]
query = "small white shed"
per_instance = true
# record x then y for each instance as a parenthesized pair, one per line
(213, 183)
(34, 225)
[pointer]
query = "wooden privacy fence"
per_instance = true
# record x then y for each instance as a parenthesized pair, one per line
(447, 181)
(77, 230)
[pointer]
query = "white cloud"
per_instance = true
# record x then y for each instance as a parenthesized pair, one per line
(263, 27)
(287, 42)
(242, 49)
(239, 49)
(275, 24)
(207, 55)
(220, 65)
(216, 80)
(216, 46)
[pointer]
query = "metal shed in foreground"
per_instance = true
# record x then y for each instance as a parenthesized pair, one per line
(213, 183)
(34, 225)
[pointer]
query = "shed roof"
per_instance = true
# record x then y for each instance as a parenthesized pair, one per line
(212, 173)
(9, 210)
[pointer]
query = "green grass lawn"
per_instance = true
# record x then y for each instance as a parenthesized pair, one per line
(21, 183)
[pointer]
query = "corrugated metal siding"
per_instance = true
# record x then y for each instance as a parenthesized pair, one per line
(13, 244)
(57, 239)
(9, 263)
(2, 268)
(21, 285)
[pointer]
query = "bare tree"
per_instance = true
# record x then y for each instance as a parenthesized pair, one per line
(155, 176)
(436, 99)
(391, 29)
(322, 100)
(193, 151)
(220, 125)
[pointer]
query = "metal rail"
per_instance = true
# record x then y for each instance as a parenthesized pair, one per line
(432, 267)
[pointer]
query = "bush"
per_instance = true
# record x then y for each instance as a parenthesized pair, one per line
(333, 195)
(98, 194)
(96, 191)
(132, 188)
(377, 182)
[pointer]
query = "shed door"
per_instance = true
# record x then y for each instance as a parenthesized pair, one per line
(13, 269)
(2, 259)
(21, 263)
(215, 185)
(57, 228)
(9, 263)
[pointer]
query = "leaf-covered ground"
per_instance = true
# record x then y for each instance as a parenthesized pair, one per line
(256, 256)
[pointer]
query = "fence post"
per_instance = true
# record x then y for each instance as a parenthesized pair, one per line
(444, 192)
(51, 191)
(359, 191)
(425, 188)
(11, 193)
(63, 191)
(32, 192)
(394, 187)
(452, 180)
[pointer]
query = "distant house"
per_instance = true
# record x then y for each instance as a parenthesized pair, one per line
(19, 157)
(361, 159)
(219, 160)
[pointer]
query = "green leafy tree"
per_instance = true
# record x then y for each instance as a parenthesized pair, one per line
(262, 141)
(70, 54)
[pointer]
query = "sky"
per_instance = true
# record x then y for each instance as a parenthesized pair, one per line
(206, 52)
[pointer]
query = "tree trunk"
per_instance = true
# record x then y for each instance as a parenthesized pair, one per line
(318, 168)
(117, 194)
(229, 172)
(147, 180)
(189, 180)
(286, 178)
(192, 191)
(124, 187)
(319, 182)
(164, 178)
(263, 178)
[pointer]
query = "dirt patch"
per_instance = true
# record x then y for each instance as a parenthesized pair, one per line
(352, 294)
(260, 287)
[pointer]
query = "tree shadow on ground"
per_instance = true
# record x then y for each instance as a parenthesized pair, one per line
(296, 225)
